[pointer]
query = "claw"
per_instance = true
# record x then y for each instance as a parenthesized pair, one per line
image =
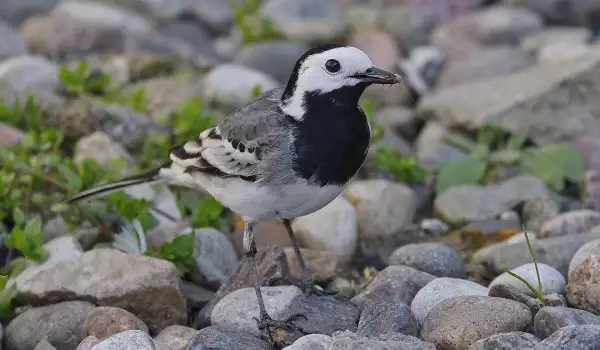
(266, 323)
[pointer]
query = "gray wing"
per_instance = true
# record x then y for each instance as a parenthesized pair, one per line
(241, 143)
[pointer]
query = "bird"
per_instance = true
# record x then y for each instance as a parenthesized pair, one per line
(285, 154)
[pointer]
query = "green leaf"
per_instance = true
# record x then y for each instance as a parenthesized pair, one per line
(73, 180)
(405, 168)
(207, 213)
(17, 266)
(6, 297)
(18, 216)
(553, 164)
(468, 171)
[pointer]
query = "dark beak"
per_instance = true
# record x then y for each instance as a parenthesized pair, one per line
(377, 76)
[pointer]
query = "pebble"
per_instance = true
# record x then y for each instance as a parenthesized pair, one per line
(400, 283)
(441, 289)
(311, 342)
(537, 211)
(569, 223)
(572, 337)
(215, 258)
(332, 228)
(104, 322)
(584, 282)
(552, 280)
(387, 316)
(275, 58)
(506, 341)
(28, 74)
(128, 281)
(556, 252)
(437, 259)
(87, 148)
(590, 248)
(61, 324)
(175, 337)
(86, 234)
(390, 341)
(214, 337)
(459, 322)
(408, 24)
(431, 150)
(217, 87)
(401, 120)
(306, 21)
(215, 15)
(237, 310)
(88, 343)
(552, 318)
(132, 339)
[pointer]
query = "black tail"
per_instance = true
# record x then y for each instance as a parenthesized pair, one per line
(147, 177)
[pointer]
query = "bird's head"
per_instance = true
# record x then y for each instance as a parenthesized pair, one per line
(330, 68)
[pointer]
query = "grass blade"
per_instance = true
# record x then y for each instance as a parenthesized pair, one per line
(532, 288)
(537, 271)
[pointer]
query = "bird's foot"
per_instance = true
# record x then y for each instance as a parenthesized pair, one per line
(309, 289)
(270, 327)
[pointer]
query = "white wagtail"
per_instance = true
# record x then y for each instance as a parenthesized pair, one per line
(287, 153)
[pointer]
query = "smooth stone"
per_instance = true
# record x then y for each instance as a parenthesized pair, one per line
(61, 324)
(128, 281)
(333, 228)
(215, 15)
(573, 222)
(459, 322)
(175, 337)
(44, 345)
(388, 316)
(197, 297)
(506, 341)
(390, 341)
(88, 343)
(400, 120)
(16, 11)
(434, 258)
(274, 58)
(216, 86)
(87, 148)
(215, 258)
(552, 318)
(537, 211)
(217, 338)
(584, 285)
(321, 264)
(104, 322)
(28, 74)
(431, 150)
(395, 282)
(552, 280)
(590, 248)
(311, 342)
(132, 339)
(441, 289)
(237, 310)
(572, 338)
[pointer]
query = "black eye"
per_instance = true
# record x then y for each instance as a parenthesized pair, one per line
(333, 66)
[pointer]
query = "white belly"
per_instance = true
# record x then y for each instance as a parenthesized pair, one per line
(258, 202)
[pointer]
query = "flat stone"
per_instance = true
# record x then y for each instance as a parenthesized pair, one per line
(88, 343)
(175, 337)
(441, 289)
(147, 287)
(311, 342)
(506, 341)
(104, 322)
(434, 258)
(388, 316)
(390, 341)
(572, 337)
(459, 322)
(61, 324)
(552, 318)
(214, 337)
(214, 256)
(87, 148)
(552, 280)
(132, 339)
(324, 315)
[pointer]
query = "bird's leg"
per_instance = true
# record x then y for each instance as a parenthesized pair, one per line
(265, 322)
(307, 284)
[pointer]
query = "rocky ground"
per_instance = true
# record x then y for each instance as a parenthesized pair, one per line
(414, 268)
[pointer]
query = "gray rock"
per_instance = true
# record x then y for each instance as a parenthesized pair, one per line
(572, 337)
(217, 338)
(435, 258)
(217, 86)
(27, 74)
(506, 341)
(552, 318)
(175, 337)
(61, 324)
(584, 284)
(44, 345)
(62, 249)
(430, 148)
(16, 11)
(104, 322)
(572, 222)
(390, 341)
(307, 21)
(87, 148)
(395, 282)
(333, 228)
(272, 268)
(86, 234)
(11, 44)
(88, 343)
(215, 258)
(213, 14)
(459, 322)
(542, 94)
(322, 266)
(275, 58)
(389, 316)
(128, 281)
(590, 248)
(324, 315)
(533, 42)
(552, 280)
(237, 310)
(311, 342)
(441, 289)
(556, 252)
(133, 339)
(191, 34)
(410, 26)
(536, 211)
(400, 120)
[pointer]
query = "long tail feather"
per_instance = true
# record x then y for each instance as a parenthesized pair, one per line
(149, 177)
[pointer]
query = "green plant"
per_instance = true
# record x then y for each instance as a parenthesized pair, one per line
(538, 293)
(253, 27)
(553, 163)
(180, 251)
(405, 168)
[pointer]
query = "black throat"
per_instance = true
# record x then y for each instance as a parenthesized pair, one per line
(332, 138)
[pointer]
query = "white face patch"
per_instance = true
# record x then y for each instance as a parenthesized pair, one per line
(314, 77)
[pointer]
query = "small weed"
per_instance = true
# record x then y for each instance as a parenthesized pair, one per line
(253, 27)
(405, 168)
